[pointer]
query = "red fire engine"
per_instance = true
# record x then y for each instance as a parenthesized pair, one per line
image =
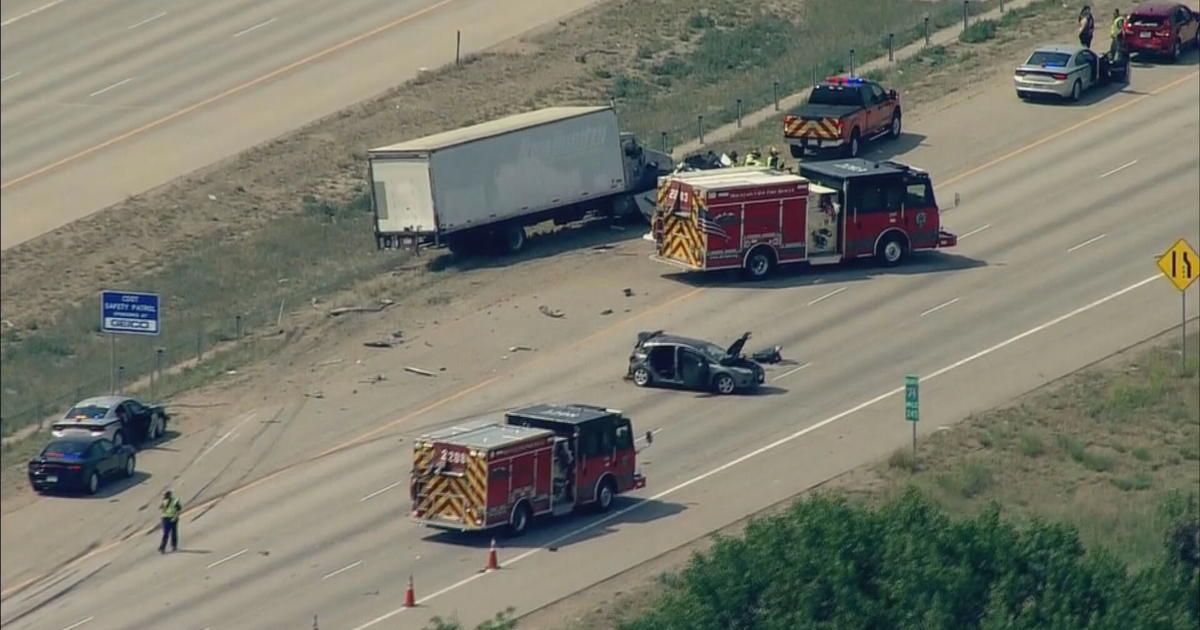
(755, 218)
(545, 459)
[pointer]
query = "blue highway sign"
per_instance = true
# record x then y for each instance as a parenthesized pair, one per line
(130, 313)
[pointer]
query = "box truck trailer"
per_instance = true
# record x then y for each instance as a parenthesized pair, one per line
(480, 186)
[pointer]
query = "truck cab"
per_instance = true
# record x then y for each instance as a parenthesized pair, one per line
(599, 444)
(884, 209)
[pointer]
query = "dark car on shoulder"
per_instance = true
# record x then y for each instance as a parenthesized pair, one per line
(659, 358)
(80, 463)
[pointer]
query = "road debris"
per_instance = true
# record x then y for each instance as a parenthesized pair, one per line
(607, 311)
(415, 370)
(384, 303)
(548, 312)
(521, 349)
(316, 394)
(628, 292)
(378, 378)
(385, 343)
(329, 362)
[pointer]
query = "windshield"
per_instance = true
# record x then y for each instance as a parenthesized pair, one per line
(1048, 59)
(68, 449)
(828, 96)
(713, 351)
(87, 412)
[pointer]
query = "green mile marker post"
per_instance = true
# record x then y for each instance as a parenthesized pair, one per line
(912, 405)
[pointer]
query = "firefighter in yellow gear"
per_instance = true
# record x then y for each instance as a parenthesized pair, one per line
(170, 509)
(774, 161)
(754, 158)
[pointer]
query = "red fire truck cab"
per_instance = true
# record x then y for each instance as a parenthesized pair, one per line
(545, 459)
(755, 219)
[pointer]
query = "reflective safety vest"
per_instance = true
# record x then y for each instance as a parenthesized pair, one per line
(171, 508)
(1116, 27)
(774, 162)
(750, 161)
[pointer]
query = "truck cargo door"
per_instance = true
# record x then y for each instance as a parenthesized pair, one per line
(402, 196)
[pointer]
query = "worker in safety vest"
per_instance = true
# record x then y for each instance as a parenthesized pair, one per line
(1118, 24)
(170, 509)
(753, 158)
(774, 161)
(730, 159)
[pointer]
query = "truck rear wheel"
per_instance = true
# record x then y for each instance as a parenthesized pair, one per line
(512, 238)
(894, 132)
(852, 148)
(518, 523)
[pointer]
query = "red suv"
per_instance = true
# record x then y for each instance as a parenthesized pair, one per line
(1161, 28)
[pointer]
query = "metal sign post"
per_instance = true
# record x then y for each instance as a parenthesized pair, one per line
(126, 312)
(1181, 265)
(912, 405)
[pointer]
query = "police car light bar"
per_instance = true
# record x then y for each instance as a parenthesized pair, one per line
(845, 80)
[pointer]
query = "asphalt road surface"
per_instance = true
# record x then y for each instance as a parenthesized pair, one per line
(1061, 217)
(104, 99)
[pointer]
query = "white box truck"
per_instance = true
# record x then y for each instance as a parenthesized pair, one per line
(481, 185)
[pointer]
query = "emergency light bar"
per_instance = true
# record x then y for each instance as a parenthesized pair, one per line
(845, 80)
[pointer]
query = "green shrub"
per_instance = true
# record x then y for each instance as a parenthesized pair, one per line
(1031, 444)
(968, 481)
(979, 32)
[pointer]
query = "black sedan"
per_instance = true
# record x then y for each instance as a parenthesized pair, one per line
(80, 463)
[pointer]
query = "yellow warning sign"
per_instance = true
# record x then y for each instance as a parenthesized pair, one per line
(1180, 264)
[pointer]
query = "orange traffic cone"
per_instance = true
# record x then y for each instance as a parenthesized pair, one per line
(410, 598)
(492, 563)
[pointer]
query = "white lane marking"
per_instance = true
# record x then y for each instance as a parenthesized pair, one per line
(1087, 242)
(111, 87)
(939, 307)
(226, 559)
(227, 434)
(1118, 169)
(11, 76)
(22, 17)
(827, 296)
(776, 444)
(341, 570)
(379, 492)
(791, 372)
(975, 231)
(254, 28)
(78, 623)
(145, 21)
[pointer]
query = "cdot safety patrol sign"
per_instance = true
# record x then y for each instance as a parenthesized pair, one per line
(129, 313)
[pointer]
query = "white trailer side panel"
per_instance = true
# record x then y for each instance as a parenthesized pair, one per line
(527, 171)
(403, 196)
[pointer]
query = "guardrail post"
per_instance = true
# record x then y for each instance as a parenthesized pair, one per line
(739, 113)
(237, 326)
(851, 62)
(700, 127)
(457, 62)
(120, 378)
(158, 356)
(965, 14)
(1002, 6)
(665, 148)
(775, 91)
(891, 41)
(926, 30)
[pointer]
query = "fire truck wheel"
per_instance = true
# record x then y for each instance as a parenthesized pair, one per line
(641, 377)
(605, 494)
(519, 521)
(723, 384)
(892, 250)
(759, 263)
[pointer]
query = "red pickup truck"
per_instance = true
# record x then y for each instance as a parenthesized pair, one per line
(840, 114)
